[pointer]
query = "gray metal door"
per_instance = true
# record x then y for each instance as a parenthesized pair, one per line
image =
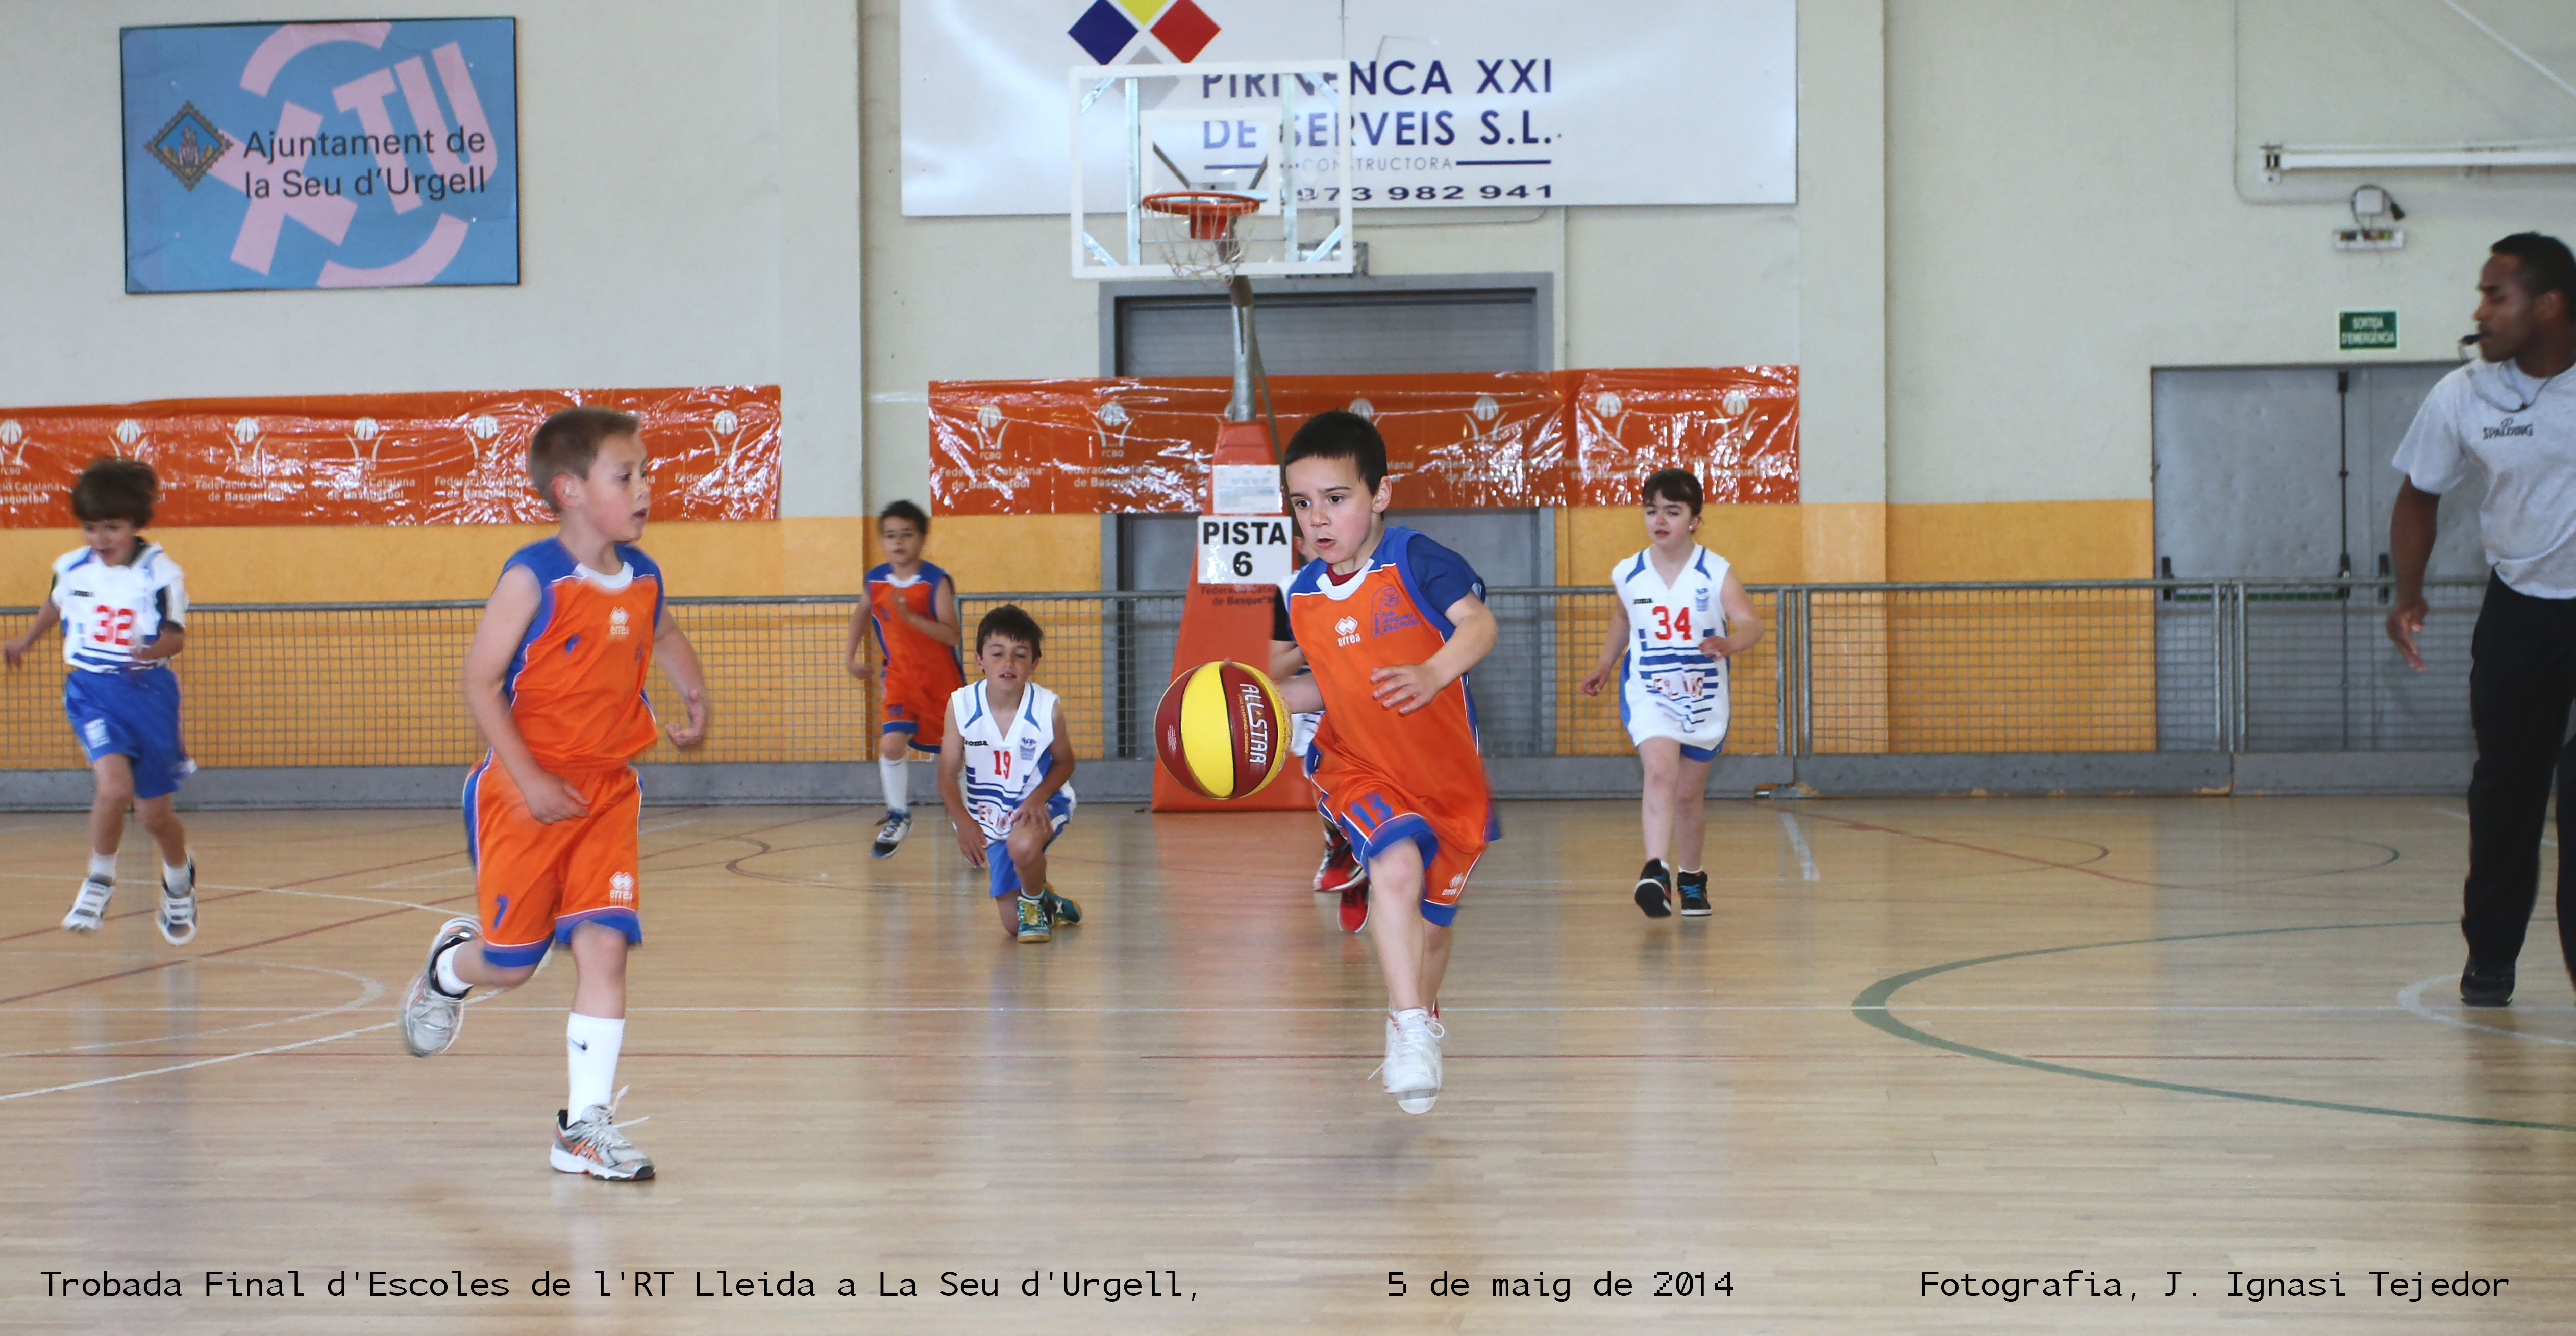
(1352, 331)
(2283, 473)
(1342, 333)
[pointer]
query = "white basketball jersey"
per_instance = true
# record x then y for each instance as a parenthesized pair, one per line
(111, 611)
(1005, 758)
(1666, 622)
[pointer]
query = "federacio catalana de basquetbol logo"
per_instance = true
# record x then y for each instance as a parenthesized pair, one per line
(1110, 27)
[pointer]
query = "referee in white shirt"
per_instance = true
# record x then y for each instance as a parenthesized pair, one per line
(2512, 414)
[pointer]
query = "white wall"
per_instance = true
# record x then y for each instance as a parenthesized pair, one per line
(2010, 212)
(2064, 215)
(688, 216)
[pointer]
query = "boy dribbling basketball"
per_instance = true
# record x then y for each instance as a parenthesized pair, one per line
(555, 680)
(1389, 623)
(1007, 781)
(912, 608)
(1680, 614)
(124, 613)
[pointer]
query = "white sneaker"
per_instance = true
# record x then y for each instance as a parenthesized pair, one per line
(89, 905)
(890, 833)
(430, 1017)
(1412, 1066)
(178, 917)
(591, 1144)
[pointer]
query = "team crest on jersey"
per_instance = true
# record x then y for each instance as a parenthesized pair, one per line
(621, 888)
(1392, 614)
(1348, 629)
(1028, 749)
(1699, 600)
(617, 623)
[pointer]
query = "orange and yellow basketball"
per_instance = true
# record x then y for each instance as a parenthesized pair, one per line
(1222, 730)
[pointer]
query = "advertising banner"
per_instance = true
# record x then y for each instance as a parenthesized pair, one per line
(1568, 438)
(1452, 103)
(385, 459)
(331, 155)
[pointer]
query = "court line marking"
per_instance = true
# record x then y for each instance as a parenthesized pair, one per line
(306, 932)
(371, 990)
(2411, 997)
(202, 1062)
(1798, 841)
(2463, 816)
(1872, 1007)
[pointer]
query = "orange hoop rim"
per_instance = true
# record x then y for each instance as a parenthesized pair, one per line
(1212, 213)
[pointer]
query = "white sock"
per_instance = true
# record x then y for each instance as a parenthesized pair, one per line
(449, 981)
(102, 867)
(898, 785)
(176, 881)
(590, 1052)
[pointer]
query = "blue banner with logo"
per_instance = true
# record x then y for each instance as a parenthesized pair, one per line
(367, 154)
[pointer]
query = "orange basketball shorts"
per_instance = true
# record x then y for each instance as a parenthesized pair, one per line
(917, 706)
(1377, 813)
(535, 883)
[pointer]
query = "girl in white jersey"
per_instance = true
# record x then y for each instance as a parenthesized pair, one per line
(1680, 615)
(1005, 774)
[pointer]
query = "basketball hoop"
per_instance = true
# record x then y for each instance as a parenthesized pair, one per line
(1210, 250)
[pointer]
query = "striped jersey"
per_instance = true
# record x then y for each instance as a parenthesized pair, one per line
(111, 611)
(576, 686)
(1005, 756)
(1666, 622)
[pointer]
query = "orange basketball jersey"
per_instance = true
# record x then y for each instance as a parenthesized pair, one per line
(576, 687)
(911, 658)
(1390, 613)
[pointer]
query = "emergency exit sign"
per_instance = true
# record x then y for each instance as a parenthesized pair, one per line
(2366, 331)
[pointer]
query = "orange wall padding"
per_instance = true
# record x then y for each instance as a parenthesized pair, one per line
(1568, 438)
(385, 459)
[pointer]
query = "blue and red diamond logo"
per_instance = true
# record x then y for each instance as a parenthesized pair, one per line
(1106, 29)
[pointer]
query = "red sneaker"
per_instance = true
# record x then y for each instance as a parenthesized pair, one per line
(1340, 870)
(1355, 907)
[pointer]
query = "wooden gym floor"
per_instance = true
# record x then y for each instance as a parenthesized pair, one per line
(1993, 1040)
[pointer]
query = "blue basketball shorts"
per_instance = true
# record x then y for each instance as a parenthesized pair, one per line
(997, 853)
(134, 715)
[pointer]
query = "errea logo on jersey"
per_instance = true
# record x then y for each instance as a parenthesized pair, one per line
(617, 623)
(621, 889)
(1348, 629)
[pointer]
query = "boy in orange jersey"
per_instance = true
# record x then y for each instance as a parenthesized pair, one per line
(555, 680)
(1389, 622)
(912, 605)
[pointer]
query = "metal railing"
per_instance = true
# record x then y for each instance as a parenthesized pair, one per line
(2080, 666)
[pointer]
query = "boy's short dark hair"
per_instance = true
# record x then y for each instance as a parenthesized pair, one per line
(112, 488)
(907, 512)
(567, 444)
(2544, 265)
(1673, 485)
(1341, 435)
(1008, 622)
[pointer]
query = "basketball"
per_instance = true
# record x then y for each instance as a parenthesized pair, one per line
(1221, 730)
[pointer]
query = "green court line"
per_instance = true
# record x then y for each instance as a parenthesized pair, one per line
(1872, 1007)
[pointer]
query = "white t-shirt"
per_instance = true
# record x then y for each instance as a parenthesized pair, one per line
(2522, 432)
(111, 611)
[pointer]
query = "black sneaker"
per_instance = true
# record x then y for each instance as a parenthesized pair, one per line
(2485, 988)
(1655, 889)
(1694, 889)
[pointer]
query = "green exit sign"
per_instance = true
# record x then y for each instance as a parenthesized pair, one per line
(2364, 331)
